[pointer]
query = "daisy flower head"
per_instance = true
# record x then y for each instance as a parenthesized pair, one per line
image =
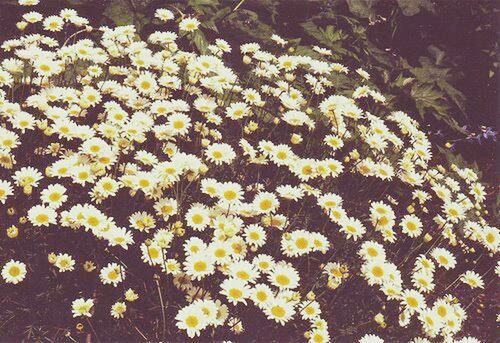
(220, 153)
(236, 290)
(192, 319)
(5, 190)
(189, 24)
(279, 310)
(353, 228)
(14, 272)
(118, 309)
(81, 307)
(199, 265)
(40, 215)
(284, 276)
(444, 258)
(112, 274)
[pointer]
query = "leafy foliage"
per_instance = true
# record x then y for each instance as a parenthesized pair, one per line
(355, 30)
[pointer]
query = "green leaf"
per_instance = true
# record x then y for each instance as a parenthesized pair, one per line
(429, 99)
(249, 22)
(427, 96)
(457, 159)
(454, 94)
(200, 41)
(119, 12)
(362, 8)
(412, 7)
(429, 72)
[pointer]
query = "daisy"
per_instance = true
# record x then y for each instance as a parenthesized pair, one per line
(290, 192)
(473, 279)
(352, 227)
(255, 235)
(413, 300)
(264, 263)
(266, 202)
(131, 295)
(171, 266)
(142, 221)
(194, 245)
(490, 237)
(375, 271)
(14, 272)
(220, 153)
(112, 274)
(5, 190)
(319, 335)
(298, 243)
(164, 14)
(237, 110)
(230, 192)
(431, 322)
(152, 254)
(220, 251)
(40, 215)
(192, 319)
(310, 310)
(371, 250)
(197, 217)
(27, 176)
(329, 201)
(54, 195)
(411, 225)
(453, 211)
(82, 307)
(199, 265)
(53, 23)
(444, 258)
(284, 277)
(64, 262)
(236, 290)
(118, 309)
(279, 310)
(189, 24)
(261, 294)
(423, 281)
(243, 270)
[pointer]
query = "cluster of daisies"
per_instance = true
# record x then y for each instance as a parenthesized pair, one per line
(240, 177)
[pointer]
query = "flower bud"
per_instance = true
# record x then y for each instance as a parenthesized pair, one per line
(27, 190)
(88, 266)
(427, 238)
(205, 142)
(379, 318)
(52, 258)
(296, 139)
(21, 25)
(290, 77)
(12, 231)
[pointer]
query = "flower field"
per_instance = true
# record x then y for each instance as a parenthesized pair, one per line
(151, 190)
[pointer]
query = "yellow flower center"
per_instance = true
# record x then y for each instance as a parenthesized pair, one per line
(200, 266)
(235, 293)
(14, 271)
(283, 280)
(278, 311)
(192, 321)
